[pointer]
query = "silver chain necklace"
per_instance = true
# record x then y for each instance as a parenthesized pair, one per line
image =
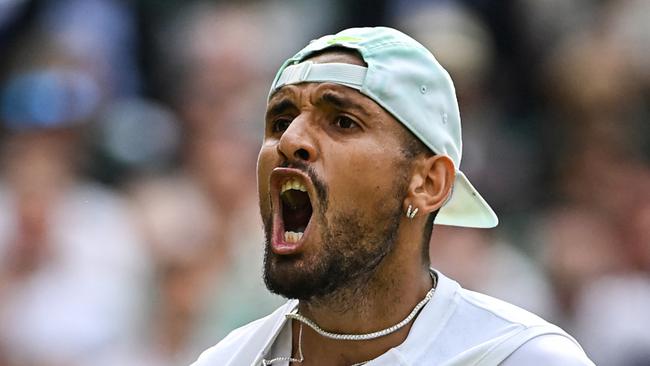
(351, 337)
(366, 336)
(300, 358)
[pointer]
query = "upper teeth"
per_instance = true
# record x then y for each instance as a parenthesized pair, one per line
(293, 184)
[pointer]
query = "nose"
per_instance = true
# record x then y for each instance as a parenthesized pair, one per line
(297, 143)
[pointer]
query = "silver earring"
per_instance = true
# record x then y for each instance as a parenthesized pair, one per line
(410, 212)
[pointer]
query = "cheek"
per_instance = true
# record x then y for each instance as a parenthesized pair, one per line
(365, 177)
(265, 164)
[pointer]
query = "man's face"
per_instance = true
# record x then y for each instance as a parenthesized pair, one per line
(332, 178)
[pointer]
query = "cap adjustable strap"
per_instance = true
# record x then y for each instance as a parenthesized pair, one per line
(345, 74)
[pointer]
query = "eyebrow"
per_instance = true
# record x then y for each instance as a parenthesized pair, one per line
(327, 97)
(280, 107)
(340, 102)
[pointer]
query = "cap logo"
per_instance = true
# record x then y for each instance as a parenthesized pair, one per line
(343, 39)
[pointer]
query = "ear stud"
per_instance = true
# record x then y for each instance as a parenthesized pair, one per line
(410, 212)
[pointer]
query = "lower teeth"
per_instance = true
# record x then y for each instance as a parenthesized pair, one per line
(292, 237)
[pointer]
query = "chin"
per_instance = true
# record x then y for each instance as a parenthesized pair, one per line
(289, 276)
(343, 255)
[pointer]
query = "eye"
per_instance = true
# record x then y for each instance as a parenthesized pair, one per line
(345, 122)
(280, 125)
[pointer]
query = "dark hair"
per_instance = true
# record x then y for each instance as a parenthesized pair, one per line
(337, 49)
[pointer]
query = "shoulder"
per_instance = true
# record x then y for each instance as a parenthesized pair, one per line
(533, 340)
(543, 343)
(548, 350)
(499, 333)
(246, 340)
(499, 309)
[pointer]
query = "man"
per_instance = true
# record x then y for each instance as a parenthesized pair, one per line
(360, 156)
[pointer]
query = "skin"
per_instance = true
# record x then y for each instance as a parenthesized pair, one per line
(358, 158)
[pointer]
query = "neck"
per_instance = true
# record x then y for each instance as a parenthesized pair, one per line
(371, 302)
(379, 301)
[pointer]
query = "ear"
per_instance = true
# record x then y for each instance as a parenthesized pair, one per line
(431, 183)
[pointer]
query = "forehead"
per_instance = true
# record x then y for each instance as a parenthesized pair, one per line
(336, 55)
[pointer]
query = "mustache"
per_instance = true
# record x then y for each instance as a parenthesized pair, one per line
(319, 184)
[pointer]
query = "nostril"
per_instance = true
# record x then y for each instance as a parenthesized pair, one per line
(302, 154)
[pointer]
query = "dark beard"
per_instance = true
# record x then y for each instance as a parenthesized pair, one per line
(352, 248)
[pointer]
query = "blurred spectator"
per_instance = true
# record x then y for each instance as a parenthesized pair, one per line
(592, 241)
(201, 219)
(483, 262)
(72, 268)
(498, 156)
(100, 32)
(577, 246)
(612, 319)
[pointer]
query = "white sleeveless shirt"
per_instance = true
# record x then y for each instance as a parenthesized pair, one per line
(457, 327)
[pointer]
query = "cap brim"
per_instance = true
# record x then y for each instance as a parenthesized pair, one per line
(466, 207)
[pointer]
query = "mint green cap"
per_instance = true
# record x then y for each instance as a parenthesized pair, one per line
(405, 79)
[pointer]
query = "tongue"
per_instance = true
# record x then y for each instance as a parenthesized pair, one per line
(297, 221)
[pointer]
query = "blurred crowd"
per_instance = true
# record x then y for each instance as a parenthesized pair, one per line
(129, 231)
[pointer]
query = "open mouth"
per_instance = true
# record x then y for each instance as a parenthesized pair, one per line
(296, 209)
(292, 203)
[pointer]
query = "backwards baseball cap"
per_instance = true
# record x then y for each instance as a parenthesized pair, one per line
(405, 79)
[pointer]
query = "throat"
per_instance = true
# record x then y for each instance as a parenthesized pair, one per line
(315, 348)
(378, 323)
(372, 311)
